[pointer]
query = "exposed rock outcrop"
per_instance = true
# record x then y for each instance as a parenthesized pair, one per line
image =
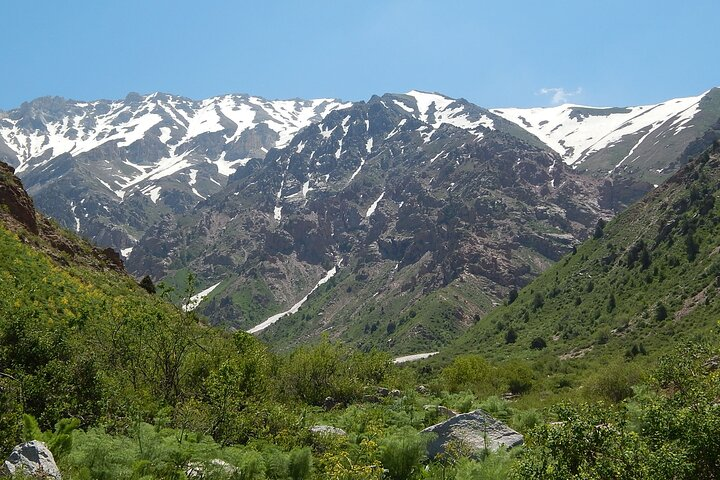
(13, 196)
(473, 432)
(33, 459)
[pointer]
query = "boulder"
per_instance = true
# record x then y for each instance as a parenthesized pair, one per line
(216, 466)
(422, 390)
(383, 392)
(32, 459)
(327, 430)
(473, 432)
(329, 403)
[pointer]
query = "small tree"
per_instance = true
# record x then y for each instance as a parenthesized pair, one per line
(538, 343)
(611, 303)
(599, 228)
(661, 312)
(147, 284)
(512, 295)
(538, 301)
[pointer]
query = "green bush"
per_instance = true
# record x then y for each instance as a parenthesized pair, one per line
(402, 454)
(300, 463)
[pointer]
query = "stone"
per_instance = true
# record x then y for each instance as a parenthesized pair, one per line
(383, 392)
(396, 393)
(329, 403)
(200, 470)
(446, 412)
(441, 410)
(33, 459)
(327, 430)
(422, 390)
(473, 432)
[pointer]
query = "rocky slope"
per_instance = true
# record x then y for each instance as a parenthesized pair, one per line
(642, 145)
(648, 281)
(18, 214)
(392, 201)
(108, 169)
(395, 222)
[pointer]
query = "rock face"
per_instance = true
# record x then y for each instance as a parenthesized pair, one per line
(474, 432)
(106, 169)
(403, 204)
(17, 213)
(18, 202)
(34, 459)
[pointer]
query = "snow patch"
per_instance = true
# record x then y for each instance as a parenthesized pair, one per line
(355, 173)
(374, 205)
(196, 299)
(295, 308)
(576, 131)
(77, 220)
(414, 357)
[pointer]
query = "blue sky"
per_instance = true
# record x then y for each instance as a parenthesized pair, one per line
(499, 53)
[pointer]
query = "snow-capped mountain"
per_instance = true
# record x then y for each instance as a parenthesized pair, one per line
(645, 141)
(83, 161)
(44, 129)
(366, 213)
(110, 169)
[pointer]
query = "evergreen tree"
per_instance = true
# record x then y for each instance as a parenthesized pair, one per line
(147, 284)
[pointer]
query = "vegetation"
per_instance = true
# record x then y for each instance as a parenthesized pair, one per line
(608, 363)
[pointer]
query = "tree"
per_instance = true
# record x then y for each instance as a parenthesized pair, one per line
(512, 295)
(147, 284)
(611, 303)
(538, 343)
(599, 228)
(538, 301)
(510, 335)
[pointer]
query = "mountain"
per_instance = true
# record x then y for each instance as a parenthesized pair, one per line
(641, 145)
(109, 169)
(648, 280)
(424, 208)
(362, 217)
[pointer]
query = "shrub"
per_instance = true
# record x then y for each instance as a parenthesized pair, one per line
(538, 343)
(300, 463)
(402, 453)
(517, 376)
(510, 335)
(469, 372)
(614, 383)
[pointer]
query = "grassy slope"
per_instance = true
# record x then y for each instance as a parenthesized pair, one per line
(570, 306)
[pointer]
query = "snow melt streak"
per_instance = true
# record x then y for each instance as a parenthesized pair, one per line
(294, 309)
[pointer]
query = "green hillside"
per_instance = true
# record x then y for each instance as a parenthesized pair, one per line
(647, 282)
(122, 384)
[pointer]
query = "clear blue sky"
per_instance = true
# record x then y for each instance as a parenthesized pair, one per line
(494, 53)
